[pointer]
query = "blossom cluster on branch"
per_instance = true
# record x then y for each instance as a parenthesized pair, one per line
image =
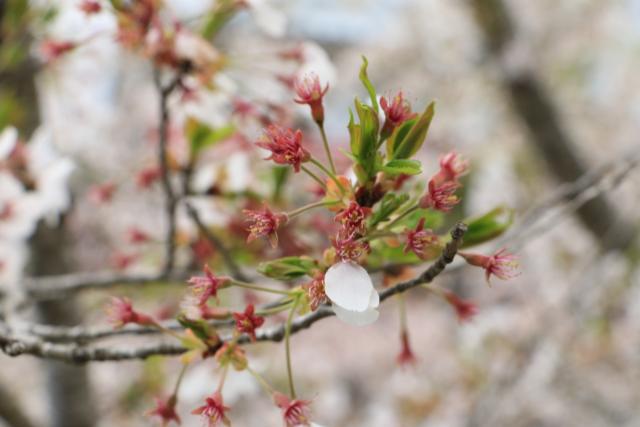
(371, 209)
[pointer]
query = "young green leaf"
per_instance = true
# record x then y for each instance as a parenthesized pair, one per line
(201, 136)
(404, 144)
(488, 226)
(402, 166)
(288, 268)
(387, 206)
(364, 78)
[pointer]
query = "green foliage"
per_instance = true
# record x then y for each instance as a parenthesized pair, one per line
(200, 328)
(288, 268)
(280, 174)
(364, 78)
(407, 139)
(201, 136)
(402, 166)
(387, 206)
(488, 226)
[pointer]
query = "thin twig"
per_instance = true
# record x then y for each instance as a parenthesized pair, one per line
(171, 201)
(217, 243)
(14, 345)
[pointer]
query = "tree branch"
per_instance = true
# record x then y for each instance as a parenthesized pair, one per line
(171, 201)
(15, 345)
(228, 260)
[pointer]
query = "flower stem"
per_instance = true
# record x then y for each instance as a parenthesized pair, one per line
(265, 385)
(274, 310)
(315, 177)
(287, 336)
(310, 206)
(167, 331)
(223, 378)
(326, 147)
(402, 309)
(176, 388)
(401, 216)
(329, 174)
(258, 288)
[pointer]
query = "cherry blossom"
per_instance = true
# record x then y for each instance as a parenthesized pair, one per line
(213, 412)
(501, 264)
(351, 291)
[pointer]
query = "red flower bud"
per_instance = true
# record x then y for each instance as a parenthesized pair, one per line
(406, 356)
(465, 310)
(166, 411)
(213, 411)
(296, 412)
(248, 322)
(501, 264)
(285, 146)
(440, 196)
(206, 287)
(264, 223)
(121, 312)
(310, 92)
(419, 240)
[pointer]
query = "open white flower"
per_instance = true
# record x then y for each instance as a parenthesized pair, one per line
(351, 291)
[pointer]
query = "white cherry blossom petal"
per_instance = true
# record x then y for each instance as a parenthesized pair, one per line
(374, 299)
(356, 318)
(8, 140)
(348, 286)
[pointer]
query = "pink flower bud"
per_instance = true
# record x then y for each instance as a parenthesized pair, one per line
(166, 410)
(406, 356)
(353, 218)
(420, 240)
(137, 236)
(465, 310)
(285, 146)
(296, 412)
(148, 176)
(90, 7)
(440, 197)
(315, 292)
(102, 193)
(452, 167)
(206, 287)
(52, 49)
(213, 411)
(396, 111)
(121, 312)
(310, 92)
(248, 322)
(264, 223)
(501, 264)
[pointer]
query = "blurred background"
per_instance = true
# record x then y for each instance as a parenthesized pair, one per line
(544, 99)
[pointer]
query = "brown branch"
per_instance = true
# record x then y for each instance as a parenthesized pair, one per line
(227, 258)
(62, 285)
(171, 201)
(537, 110)
(14, 345)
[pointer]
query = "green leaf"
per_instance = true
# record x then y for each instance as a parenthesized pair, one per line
(280, 175)
(288, 268)
(221, 14)
(399, 133)
(387, 206)
(488, 226)
(202, 136)
(364, 78)
(354, 134)
(402, 166)
(368, 141)
(404, 144)
(200, 328)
